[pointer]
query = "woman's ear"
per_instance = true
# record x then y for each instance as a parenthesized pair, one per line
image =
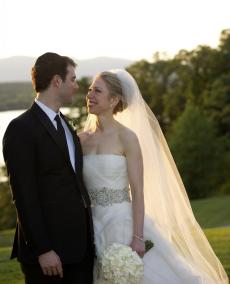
(114, 101)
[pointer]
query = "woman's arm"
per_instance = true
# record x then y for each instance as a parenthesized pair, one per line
(135, 173)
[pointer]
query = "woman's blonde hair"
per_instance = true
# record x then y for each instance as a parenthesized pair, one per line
(113, 84)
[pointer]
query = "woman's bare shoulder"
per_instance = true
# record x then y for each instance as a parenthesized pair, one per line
(128, 139)
(130, 143)
(127, 134)
(83, 136)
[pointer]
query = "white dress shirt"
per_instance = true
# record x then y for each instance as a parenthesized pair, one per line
(69, 138)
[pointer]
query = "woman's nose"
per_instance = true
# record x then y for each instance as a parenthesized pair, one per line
(90, 93)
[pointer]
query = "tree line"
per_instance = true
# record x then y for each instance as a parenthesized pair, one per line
(190, 96)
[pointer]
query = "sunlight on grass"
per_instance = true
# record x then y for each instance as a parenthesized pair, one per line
(219, 239)
(10, 273)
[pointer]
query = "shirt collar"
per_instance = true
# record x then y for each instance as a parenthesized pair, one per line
(50, 113)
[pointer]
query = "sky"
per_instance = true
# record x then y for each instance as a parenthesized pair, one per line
(131, 29)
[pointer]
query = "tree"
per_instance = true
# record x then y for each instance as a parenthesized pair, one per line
(224, 51)
(216, 103)
(197, 152)
(152, 81)
(78, 117)
(177, 90)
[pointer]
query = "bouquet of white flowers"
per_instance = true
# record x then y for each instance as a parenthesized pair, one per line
(120, 264)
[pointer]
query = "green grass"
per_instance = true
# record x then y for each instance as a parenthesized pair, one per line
(9, 269)
(219, 238)
(212, 212)
(10, 273)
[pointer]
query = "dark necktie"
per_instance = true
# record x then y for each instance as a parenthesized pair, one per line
(63, 141)
(61, 134)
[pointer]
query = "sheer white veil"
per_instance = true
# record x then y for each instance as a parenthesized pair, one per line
(166, 201)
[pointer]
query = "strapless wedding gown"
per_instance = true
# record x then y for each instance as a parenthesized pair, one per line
(107, 182)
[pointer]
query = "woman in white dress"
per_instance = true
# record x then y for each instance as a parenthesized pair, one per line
(135, 188)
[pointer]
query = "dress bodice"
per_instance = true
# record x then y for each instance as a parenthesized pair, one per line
(107, 170)
(106, 179)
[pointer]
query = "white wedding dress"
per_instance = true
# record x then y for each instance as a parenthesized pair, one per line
(107, 182)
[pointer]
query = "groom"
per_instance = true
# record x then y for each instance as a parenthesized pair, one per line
(54, 235)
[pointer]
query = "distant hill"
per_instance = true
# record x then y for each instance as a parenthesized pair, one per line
(16, 95)
(17, 69)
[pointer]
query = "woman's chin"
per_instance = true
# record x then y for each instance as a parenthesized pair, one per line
(92, 111)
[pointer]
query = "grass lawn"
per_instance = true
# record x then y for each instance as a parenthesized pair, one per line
(213, 214)
(219, 238)
(10, 272)
(9, 269)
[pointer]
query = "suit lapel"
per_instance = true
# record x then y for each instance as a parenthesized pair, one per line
(44, 119)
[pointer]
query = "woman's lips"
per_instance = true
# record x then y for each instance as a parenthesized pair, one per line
(91, 103)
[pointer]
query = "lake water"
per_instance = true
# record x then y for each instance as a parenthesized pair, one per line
(5, 118)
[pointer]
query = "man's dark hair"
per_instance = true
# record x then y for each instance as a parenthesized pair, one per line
(48, 65)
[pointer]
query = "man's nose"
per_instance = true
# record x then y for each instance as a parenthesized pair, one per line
(76, 86)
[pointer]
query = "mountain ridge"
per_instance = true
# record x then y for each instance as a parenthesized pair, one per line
(17, 68)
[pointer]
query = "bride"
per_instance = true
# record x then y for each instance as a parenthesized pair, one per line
(135, 188)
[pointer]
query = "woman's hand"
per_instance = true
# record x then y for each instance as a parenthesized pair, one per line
(138, 246)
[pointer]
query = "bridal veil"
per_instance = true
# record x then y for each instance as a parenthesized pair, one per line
(166, 201)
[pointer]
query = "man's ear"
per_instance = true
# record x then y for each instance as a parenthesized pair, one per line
(56, 81)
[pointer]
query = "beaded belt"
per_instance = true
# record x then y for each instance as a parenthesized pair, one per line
(108, 196)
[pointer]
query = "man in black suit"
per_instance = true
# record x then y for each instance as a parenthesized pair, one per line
(54, 235)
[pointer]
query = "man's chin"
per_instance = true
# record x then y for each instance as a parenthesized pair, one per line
(68, 102)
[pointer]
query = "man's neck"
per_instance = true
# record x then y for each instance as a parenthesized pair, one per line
(49, 102)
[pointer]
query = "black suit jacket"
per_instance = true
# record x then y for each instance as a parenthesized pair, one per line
(50, 198)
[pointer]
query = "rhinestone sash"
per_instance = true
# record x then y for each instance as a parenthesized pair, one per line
(108, 196)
